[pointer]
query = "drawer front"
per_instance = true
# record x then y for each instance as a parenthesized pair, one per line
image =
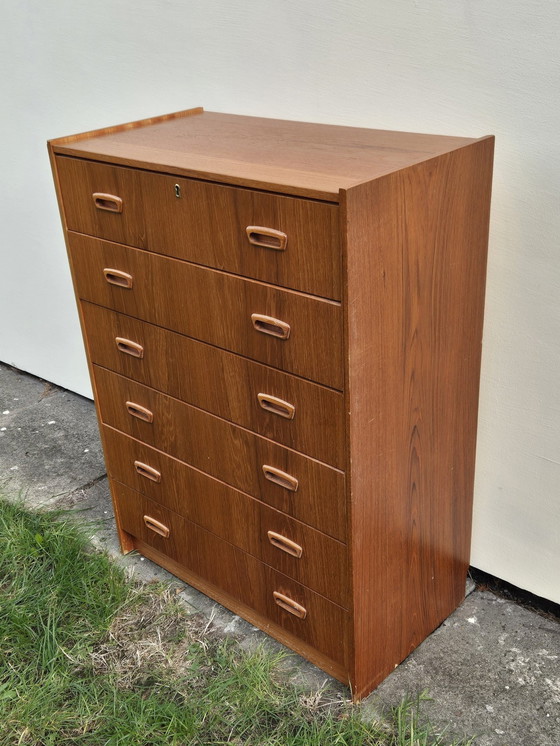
(295, 412)
(214, 307)
(293, 483)
(287, 545)
(325, 625)
(207, 224)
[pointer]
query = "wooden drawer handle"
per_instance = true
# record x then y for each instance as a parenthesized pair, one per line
(156, 526)
(286, 545)
(280, 478)
(136, 410)
(277, 406)
(129, 347)
(286, 603)
(108, 202)
(116, 277)
(267, 238)
(270, 325)
(147, 471)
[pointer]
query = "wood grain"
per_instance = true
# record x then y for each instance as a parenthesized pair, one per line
(124, 539)
(207, 224)
(214, 307)
(298, 158)
(225, 451)
(236, 573)
(179, 366)
(414, 325)
(232, 515)
(119, 128)
(383, 357)
(337, 670)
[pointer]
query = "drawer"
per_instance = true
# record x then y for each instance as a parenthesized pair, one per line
(325, 624)
(287, 545)
(214, 307)
(207, 224)
(295, 484)
(293, 411)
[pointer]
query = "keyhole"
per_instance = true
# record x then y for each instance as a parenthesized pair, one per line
(177, 190)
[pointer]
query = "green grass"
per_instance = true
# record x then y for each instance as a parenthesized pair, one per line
(89, 658)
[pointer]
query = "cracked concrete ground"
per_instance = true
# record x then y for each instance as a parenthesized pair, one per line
(492, 669)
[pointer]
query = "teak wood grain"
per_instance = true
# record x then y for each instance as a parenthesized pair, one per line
(225, 451)
(207, 224)
(237, 573)
(120, 128)
(236, 517)
(214, 307)
(180, 366)
(300, 158)
(291, 640)
(414, 345)
(381, 304)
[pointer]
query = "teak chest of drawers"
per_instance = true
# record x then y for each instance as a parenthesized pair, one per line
(283, 324)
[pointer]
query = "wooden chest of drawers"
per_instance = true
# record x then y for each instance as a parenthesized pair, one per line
(283, 324)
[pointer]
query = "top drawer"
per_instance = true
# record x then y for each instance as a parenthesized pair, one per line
(207, 223)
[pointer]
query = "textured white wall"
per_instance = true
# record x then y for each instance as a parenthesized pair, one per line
(462, 67)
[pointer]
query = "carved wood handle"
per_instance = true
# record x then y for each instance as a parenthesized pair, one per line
(288, 604)
(277, 406)
(267, 238)
(280, 478)
(147, 471)
(129, 347)
(118, 277)
(156, 526)
(285, 544)
(140, 412)
(270, 325)
(107, 202)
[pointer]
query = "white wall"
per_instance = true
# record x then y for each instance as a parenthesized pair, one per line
(462, 67)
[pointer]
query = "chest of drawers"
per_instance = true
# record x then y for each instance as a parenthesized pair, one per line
(283, 324)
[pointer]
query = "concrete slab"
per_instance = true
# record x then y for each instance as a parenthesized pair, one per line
(492, 669)
(49, 440)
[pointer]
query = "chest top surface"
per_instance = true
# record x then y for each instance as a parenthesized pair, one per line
(305, 159)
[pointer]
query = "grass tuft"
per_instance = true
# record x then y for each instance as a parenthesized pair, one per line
(89, 658)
